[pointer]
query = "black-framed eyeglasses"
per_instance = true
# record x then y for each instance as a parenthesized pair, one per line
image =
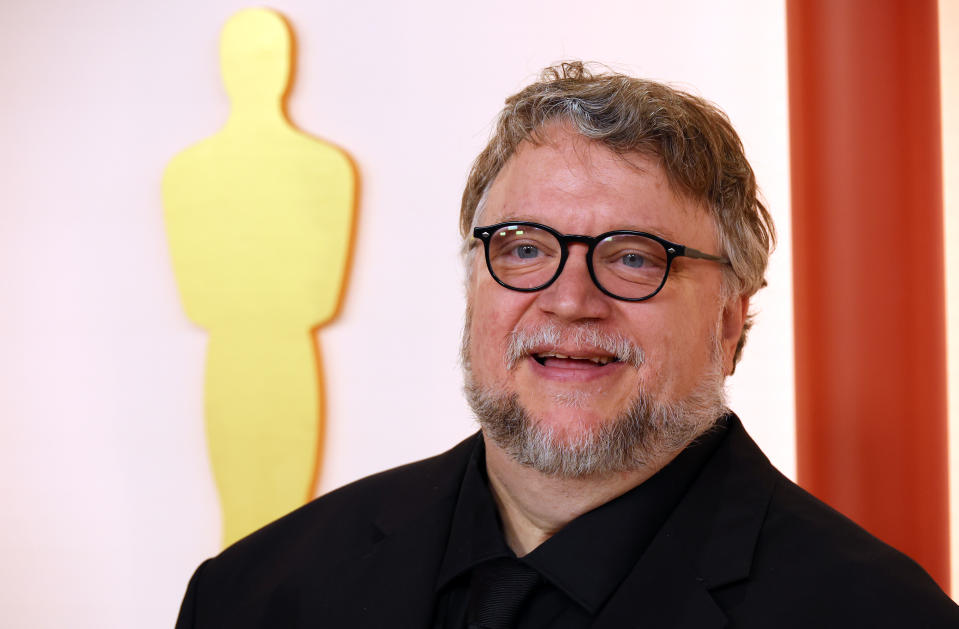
(624, 264)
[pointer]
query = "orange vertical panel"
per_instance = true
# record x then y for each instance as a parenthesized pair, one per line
(869, 271)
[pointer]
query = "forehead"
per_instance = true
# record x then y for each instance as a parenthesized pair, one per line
(578, 185)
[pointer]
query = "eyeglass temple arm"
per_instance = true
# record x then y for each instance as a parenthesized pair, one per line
(689, 252)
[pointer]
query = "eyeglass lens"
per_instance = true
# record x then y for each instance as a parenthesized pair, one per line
(625, 265)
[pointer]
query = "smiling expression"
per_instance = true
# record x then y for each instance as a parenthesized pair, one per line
(601, 350)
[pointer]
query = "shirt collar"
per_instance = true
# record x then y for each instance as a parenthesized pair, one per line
(591, 556)
(475, 533)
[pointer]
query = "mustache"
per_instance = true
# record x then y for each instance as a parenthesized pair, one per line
(524, 340)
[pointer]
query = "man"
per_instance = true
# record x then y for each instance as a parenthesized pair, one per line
(613, 239)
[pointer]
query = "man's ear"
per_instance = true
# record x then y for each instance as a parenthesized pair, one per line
(734, 319)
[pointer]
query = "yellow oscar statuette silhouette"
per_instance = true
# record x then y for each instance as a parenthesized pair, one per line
(259, 218)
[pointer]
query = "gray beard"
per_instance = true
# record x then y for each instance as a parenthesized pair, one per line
(646, 433)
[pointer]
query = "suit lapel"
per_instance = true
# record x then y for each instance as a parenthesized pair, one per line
(707, 542)
(721, 519)
(392, 583)
(661, 592)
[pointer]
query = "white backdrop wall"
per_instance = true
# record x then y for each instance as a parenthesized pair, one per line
(107, 497)
(949, 72)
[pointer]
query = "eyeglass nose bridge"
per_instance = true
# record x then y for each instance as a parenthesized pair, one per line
(589, 241)
(565, 240)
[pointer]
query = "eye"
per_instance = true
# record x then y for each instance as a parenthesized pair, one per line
(634, 260)
(522, 248)
(525, 252)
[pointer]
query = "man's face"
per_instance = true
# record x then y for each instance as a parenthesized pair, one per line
(578, 186)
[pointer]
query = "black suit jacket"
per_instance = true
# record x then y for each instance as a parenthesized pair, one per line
(745, 547)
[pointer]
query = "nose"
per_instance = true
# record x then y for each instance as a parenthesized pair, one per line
(574, 297)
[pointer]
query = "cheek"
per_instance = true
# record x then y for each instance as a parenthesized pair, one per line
(676, 345)
(482, 335)
(486, 334)
(494, 317)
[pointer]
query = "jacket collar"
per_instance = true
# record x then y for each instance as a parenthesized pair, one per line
(391, 583)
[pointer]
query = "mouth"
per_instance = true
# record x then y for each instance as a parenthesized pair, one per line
(572, 361)
(572, 353)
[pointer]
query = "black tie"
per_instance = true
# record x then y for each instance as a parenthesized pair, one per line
(497, 591)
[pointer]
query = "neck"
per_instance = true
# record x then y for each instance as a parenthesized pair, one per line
(534, 506)
(256, 113)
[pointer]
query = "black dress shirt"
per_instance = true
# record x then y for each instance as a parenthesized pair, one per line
(582, 564)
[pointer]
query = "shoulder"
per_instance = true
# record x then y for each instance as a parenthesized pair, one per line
(327, 157)
(825, 544)
(348, 514)
(822, 569)
(304, 549)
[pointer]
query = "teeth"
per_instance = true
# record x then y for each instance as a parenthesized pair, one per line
(599, 360)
